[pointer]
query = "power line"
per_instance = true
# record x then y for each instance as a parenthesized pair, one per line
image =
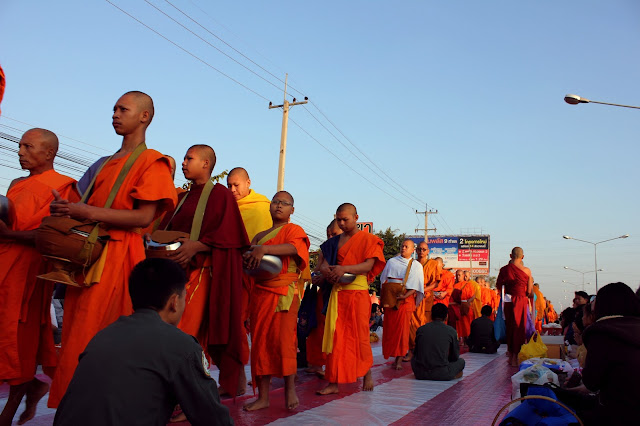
(187, 51)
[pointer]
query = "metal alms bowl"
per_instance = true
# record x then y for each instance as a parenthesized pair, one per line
(347, 278)
(7, 213)
(155, 246)
(269, 267)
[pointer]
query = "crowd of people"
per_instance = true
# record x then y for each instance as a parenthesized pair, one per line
(128, 321)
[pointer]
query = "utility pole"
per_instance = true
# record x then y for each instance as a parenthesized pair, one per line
(426, 228)
(283, 135)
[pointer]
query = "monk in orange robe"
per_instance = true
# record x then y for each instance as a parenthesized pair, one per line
(26, 339)
(156, 223)
(315, 357)
(476, 306)
(442, 292)
(461, 300)
(218, 247)
(397, 320)
(274, 303)
(540, 306)
(422, 315)
(146, 192)
(486, 295)
(346, 331)
(518, 283)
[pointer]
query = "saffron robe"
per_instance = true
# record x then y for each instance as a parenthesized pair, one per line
(351, 356)
(26, 339)
(462, 291)
(515, 282)
(89, 310)
(487, 299)
(218, 326)
(273, 309)
(422, 314)
(447, 280)
(256, 216)
(476, 306)
(397, 321)
(539, 307)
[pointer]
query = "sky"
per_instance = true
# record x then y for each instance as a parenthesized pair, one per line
(454, 105)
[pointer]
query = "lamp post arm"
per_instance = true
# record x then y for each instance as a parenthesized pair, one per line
(618, 105)
(610, 239)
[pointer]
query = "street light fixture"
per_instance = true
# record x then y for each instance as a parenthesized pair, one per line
(595, 250)
(575, 100)
(587, 272)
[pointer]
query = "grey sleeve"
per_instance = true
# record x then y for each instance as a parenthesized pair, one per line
(454, 352)
(197, 393)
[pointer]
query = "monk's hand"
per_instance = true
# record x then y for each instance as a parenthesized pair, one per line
(186, 251)
(4, 230)
(59, 207)
(317, 278)
(252, 258)
(335, 273)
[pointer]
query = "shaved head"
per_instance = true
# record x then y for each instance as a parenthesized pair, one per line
(347, 208)
(36, 150)
(144, 102)
(47, 137)
(411, 243)
(333, 229)
(172, 164)
(285, 194)
(517, 253)
(205, 152)
(440, 261)
(238, 171)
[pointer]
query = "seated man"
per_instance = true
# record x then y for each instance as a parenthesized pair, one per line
(437, 355)
(138, 368)
(482, 338)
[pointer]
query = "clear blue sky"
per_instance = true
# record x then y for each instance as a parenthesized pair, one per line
(460, 103)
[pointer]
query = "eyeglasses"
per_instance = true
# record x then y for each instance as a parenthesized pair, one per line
(422, 249)
(281, 203)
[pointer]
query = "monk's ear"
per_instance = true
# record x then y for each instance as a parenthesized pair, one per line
(144, 116)
(356, 216)
(172, 303)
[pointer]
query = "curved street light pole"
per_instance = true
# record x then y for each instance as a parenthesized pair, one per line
(583, 273)
(595, 250)
(575, 100)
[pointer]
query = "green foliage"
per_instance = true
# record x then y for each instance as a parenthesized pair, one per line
(492, 281)
(214, 179)
(392, 242)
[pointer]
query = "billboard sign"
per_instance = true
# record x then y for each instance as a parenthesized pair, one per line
(456, 250)
(365, 226)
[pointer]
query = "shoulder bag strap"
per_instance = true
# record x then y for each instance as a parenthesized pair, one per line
(406, 275)
(198, 217)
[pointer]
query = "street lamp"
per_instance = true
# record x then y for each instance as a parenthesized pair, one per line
(595, 250)
(580, 272)
(575, 100)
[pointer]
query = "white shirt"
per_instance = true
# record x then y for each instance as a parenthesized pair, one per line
(396, 267)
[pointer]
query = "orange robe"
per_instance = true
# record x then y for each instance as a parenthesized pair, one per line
(540, 306)
(447, 280)
(274, 325)
(315, 356)
(351, 356)
(476, 306)
(462, 323)
(26, 339)
(89, 310)
(422, 314)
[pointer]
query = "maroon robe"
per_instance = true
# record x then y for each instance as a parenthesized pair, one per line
(515, 282)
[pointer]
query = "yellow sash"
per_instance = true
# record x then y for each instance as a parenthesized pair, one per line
(360, 283)
(269, 235)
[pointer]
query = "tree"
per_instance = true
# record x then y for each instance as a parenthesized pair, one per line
(214, 179)
(392, 242)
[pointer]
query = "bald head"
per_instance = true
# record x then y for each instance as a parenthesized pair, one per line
(407, 248)
(205, 152)
(238, 171)
(347, 218)
(333, 229)
(347, 208)
(284, 194)
(47, 137)
(517, 253)
(239, 183)
(440, 261)
(172, 164)
(37, 149)
(144, 102)
(536, 285)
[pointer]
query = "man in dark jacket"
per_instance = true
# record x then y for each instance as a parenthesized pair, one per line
(437, 354)
(139, 368)
(482, 338)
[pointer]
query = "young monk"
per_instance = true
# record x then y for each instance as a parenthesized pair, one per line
(442, 292)
(395, 339)
(315, 357)
(146, 192)
(26, 339)
(346, 331)
(463, 293)
(218, 247)
(274, 303)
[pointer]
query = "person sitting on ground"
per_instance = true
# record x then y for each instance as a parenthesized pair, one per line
(566, 321)
(613, 351)
(137, 369)
(482, 338)
(376, 318)
(437, 354)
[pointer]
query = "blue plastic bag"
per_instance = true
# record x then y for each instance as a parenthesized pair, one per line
(499, 325)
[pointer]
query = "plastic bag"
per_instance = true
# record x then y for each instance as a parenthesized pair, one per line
(499, 325)
(534, 349)
(530, 327)
(536, 374)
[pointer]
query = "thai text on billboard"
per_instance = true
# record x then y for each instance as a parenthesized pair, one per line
(455, 251)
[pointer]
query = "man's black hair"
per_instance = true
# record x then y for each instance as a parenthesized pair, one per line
(439, 311)
(153, 281)
(486, 310)
(616, 299)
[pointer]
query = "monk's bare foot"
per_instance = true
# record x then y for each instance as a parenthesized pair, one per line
(459, 375)
(367, 382)
(398, 363)
(313, 369)
(320, 374)
(242, 383)
(408, 356)
(35, 392)
(258, 404)
(290, 398)
(514, 361)
(331, 388)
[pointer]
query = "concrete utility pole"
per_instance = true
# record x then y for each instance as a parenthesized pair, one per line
(283, 136)
(426, 228)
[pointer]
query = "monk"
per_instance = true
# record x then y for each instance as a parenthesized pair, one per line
(552, 315)
(26, 339)
(146, 192)
(274, 303)
(254, 207)
(461, 306)
(518, 284)
(315, 357)
(539, 305)
(432, 269)
(442, 291)
(476, 306)
(156, 223)
(487, 296)
(346, 331)
(397, 320)
(217, 247)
